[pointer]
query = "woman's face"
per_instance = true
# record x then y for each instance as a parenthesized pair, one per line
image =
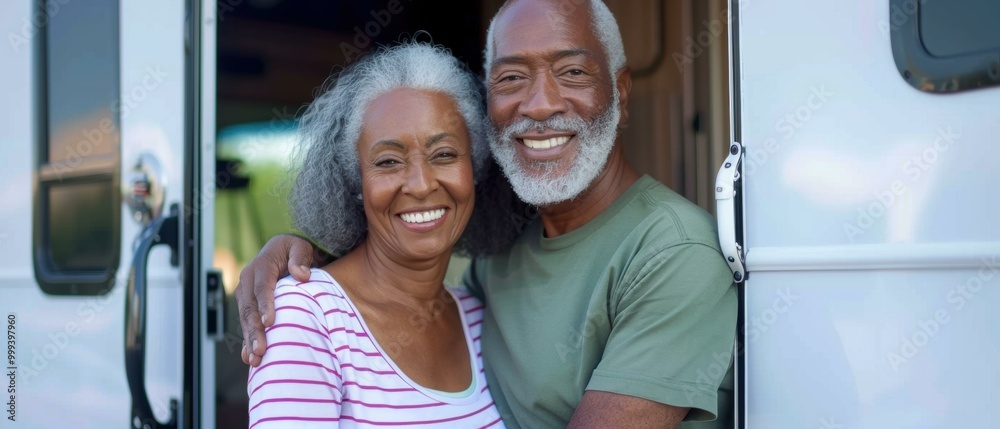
(416, 173)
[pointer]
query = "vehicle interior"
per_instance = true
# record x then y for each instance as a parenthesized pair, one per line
(274, 55)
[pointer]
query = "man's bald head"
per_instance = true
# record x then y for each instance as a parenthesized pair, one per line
(602, 24)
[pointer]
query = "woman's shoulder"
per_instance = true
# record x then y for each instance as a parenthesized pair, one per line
(320, 294)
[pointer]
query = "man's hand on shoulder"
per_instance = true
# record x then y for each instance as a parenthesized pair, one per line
(283, 254)
(600, 409)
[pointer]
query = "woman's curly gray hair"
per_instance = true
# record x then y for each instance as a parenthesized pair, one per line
(323, 198)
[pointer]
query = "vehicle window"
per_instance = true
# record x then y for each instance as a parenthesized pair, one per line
(960, 27)
(77, 202)
(947, 46)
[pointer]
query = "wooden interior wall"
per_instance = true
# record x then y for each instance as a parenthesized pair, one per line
(679, 113)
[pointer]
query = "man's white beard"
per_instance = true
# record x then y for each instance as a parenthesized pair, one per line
(594, 143)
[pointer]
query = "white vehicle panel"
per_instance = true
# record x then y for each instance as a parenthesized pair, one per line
(869, 228)
(70, 349)
(873, 349)
(841, 150)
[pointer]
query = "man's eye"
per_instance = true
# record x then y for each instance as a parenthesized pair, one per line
(575, 72)
(510, 78)
(386, 163)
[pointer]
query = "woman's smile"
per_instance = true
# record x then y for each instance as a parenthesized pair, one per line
(424, 220)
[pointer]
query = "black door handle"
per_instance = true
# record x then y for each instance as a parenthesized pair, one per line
(160, 231)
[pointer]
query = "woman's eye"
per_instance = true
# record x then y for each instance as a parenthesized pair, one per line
(509, 78)
(386, 163)
(446, 155)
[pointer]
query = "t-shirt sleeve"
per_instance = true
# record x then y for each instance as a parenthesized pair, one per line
(298, 383)
(673, 326)
(472, 280)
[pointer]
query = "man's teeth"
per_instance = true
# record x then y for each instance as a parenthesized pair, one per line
(421, 217)
(547, 143)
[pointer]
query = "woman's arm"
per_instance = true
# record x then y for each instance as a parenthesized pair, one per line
(298, 382)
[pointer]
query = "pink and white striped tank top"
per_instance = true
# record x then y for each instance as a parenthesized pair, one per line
(323, 368)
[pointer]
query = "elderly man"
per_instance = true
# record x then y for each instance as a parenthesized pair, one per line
(613, 306)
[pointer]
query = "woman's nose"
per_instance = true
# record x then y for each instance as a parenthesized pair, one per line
(420, 180)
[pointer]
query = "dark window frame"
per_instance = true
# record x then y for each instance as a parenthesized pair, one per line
(928, 73)
(47, 174)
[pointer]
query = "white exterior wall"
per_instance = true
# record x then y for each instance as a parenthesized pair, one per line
(871, 239)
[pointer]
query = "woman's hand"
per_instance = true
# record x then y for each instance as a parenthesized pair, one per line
(283, 254)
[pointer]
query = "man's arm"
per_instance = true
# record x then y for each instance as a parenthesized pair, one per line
(600, 409)
(283, 254)
(673, 325)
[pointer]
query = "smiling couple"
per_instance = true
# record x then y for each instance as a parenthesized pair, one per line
(604, 311)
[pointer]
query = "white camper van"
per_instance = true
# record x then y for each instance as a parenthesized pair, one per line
(845, 147)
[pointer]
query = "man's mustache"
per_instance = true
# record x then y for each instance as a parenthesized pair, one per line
(556, 123)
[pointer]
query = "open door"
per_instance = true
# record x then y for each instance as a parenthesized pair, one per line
(103, 284)
(862, 202)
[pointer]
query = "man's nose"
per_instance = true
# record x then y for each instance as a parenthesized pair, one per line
(420, 179)
(544, 99)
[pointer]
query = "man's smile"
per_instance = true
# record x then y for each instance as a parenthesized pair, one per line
(546, 143)
(542, 147)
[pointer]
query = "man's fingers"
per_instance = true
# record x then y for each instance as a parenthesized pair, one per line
(252, 330)
(265, 280)
(300, 258)
(247, 305)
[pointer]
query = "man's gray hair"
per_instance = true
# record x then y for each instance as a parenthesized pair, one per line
(603, 24)
(324, 199)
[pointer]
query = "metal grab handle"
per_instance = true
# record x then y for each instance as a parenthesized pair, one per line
(161, 231)
(725, 212)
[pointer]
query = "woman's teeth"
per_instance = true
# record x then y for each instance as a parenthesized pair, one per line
(547, 143)
(421, 217)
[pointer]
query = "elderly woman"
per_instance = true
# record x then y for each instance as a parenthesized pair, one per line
(391, 156)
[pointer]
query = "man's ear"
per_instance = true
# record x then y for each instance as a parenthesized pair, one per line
(624, 82)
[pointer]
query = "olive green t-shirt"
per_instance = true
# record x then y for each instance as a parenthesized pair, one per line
(638, 301)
